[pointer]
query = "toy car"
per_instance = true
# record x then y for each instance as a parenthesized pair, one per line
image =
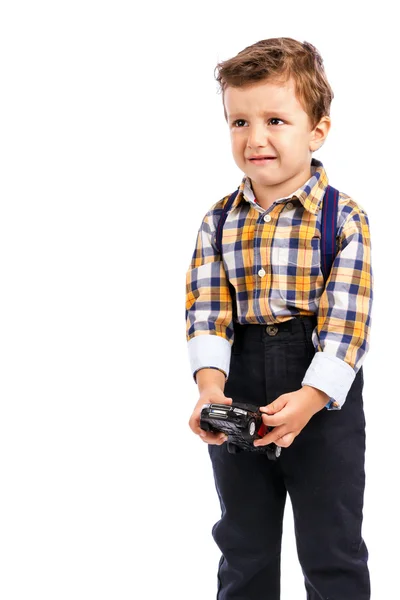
(242, 423)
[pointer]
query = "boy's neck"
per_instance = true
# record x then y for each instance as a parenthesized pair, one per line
(267, 195)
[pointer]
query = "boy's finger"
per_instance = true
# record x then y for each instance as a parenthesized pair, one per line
(219, 400)
(194, 425)
(274, 406)
(273, 420)
(271, 437)
(286, 440)
(213, 438)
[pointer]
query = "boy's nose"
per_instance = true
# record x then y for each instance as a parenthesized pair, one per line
(257, 136)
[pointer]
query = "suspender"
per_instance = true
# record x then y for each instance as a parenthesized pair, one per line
(328, 227)
(222, 219)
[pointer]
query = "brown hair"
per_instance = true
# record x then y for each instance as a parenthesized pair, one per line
(278, 59)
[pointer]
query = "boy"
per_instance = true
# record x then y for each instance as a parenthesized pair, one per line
(284, 339)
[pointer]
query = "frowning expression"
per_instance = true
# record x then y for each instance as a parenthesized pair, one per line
(271, 133)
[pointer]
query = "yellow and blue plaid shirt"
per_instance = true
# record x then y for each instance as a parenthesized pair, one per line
(272, 258)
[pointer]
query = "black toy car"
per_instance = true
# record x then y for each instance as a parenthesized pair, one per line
(242, 423)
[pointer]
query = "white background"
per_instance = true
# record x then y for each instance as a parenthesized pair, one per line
(113, 147)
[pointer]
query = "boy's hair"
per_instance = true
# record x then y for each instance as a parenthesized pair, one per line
(278, 59)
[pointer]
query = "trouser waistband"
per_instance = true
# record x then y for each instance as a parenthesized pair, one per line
(296, 329)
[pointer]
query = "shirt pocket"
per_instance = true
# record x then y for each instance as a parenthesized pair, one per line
(298, 264)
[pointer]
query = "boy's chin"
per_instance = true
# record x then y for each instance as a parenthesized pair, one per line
(265, 180)
(260, 172)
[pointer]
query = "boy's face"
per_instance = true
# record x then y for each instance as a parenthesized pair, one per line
(266, 119)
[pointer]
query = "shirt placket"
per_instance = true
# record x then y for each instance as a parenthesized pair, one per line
(265, 231)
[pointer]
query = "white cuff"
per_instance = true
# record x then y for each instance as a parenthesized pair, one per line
(331, 375)
(209, 350)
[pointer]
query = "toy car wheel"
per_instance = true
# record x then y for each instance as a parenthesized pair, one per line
(274, 453)
(250, 431)
(232, 448)
(206, 426)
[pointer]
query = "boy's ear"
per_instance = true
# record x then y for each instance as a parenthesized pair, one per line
(319, 133)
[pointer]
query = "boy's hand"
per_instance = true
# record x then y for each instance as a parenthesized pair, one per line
(289, 414)
(208, 395)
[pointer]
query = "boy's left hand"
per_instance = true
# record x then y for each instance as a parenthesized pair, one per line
(289, 414)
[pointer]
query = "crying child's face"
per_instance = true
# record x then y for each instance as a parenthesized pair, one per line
(266, 119)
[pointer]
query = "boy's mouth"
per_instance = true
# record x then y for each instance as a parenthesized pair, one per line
(262, 159)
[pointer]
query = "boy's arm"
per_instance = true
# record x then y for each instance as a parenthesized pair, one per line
(344, 315)
(209, 325)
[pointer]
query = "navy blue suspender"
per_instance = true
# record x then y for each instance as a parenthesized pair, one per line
(329, 229)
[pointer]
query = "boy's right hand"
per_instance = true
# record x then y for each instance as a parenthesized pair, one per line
(208, 395)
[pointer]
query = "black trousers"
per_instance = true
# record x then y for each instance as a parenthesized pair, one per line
(323, 472)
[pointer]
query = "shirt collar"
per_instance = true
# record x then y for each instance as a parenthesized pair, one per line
(310, 193)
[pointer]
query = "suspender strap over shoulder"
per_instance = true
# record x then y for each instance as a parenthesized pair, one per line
(328, 229)
(222, 219)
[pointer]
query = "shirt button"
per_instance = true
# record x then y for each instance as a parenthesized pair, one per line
(267, 218)
(261, 273)
(289, 206)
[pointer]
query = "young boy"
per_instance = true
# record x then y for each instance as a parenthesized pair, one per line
(284, 339)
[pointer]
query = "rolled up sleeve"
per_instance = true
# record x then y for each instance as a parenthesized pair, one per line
(342, 334)
(209, 324)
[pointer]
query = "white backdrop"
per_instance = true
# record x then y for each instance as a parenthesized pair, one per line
(113, 147)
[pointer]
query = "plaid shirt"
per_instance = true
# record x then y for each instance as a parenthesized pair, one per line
(272, 258)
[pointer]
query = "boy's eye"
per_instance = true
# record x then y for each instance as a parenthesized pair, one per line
(238, 121)
(243, 121)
